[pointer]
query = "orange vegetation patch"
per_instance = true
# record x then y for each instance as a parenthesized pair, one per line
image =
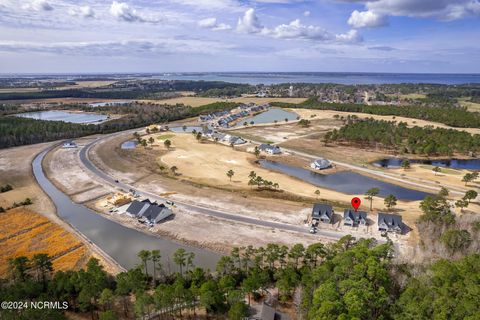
(26, 233)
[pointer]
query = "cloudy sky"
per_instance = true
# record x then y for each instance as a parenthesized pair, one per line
(62, 36)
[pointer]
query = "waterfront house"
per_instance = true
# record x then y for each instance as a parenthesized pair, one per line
(270, 149)
(354, 218)
(390, 223)
(136, 208)
(320, 164)
(156, 213)
(322, 212)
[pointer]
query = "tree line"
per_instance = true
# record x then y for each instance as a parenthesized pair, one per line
(349, 279)
(16, 131)
(398, 136)
(452, 116)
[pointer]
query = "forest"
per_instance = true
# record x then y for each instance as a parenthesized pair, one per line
(349, 279)
(452, 116)
(15, 131)
(401, 138)
(136, 90)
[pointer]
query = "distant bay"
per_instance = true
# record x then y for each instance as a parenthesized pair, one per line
(346, 78)
(254, 78)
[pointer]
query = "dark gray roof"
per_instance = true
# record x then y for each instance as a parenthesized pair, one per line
(268, 313)
(320, 209)
(153, 211)
(391, 220)
(135, 207)
(265, 146)
(354, 215)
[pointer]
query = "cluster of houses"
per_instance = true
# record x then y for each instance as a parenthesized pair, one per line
(148, 212)
(323, 213)
(223, 137)
(224, 118)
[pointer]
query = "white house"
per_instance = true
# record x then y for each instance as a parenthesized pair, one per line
(320, 164)
(270, 149)
(69, 145)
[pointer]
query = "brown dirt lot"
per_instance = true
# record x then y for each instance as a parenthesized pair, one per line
(15, 169)
(25, 233)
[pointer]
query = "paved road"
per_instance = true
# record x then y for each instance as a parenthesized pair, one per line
(84, 157)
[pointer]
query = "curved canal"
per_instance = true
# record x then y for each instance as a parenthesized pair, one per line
(119, 242)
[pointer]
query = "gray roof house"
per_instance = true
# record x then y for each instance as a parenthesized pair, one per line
(268, 148)
(323, 213)
(156, 213)
(320, 164)
(354, 218)
(136, 208)
(390, 223)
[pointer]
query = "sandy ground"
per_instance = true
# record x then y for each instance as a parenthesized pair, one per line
(200, 101)
(307, 113)
(16, 170)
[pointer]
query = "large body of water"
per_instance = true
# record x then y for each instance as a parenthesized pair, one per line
(345, 182)
(323, 77)
(269, 117)
(120, 242)
(73, 117)
(468, 164)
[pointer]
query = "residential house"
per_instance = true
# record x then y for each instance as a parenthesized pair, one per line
(320, 164)
(323, 213)
(354, 218)
(69, 145)
(390, 223)
(270, 149)
(136, 208)
(156, 213)
(267, 313)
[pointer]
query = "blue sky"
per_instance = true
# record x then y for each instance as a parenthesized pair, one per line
(65, 36)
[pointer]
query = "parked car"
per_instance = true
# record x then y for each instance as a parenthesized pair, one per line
(170, 203)
(313, 230)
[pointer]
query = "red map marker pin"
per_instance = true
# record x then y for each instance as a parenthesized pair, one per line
(356, 203)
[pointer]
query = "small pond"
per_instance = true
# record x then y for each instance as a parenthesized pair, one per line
(186, 129)
(73, 117)
(469, 164)
(269, 117)
(345, 182)
(129, 145)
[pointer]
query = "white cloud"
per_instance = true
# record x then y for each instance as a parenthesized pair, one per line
(122, 11)
(38, 5)
(212, 24)
(306, 13)
(440, 9)
(249, 23)
(83, 11)
(118, 48)
(351, 36)
(366, 19)
(296, 30)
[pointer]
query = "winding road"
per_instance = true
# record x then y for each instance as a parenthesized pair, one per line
(84, 158)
